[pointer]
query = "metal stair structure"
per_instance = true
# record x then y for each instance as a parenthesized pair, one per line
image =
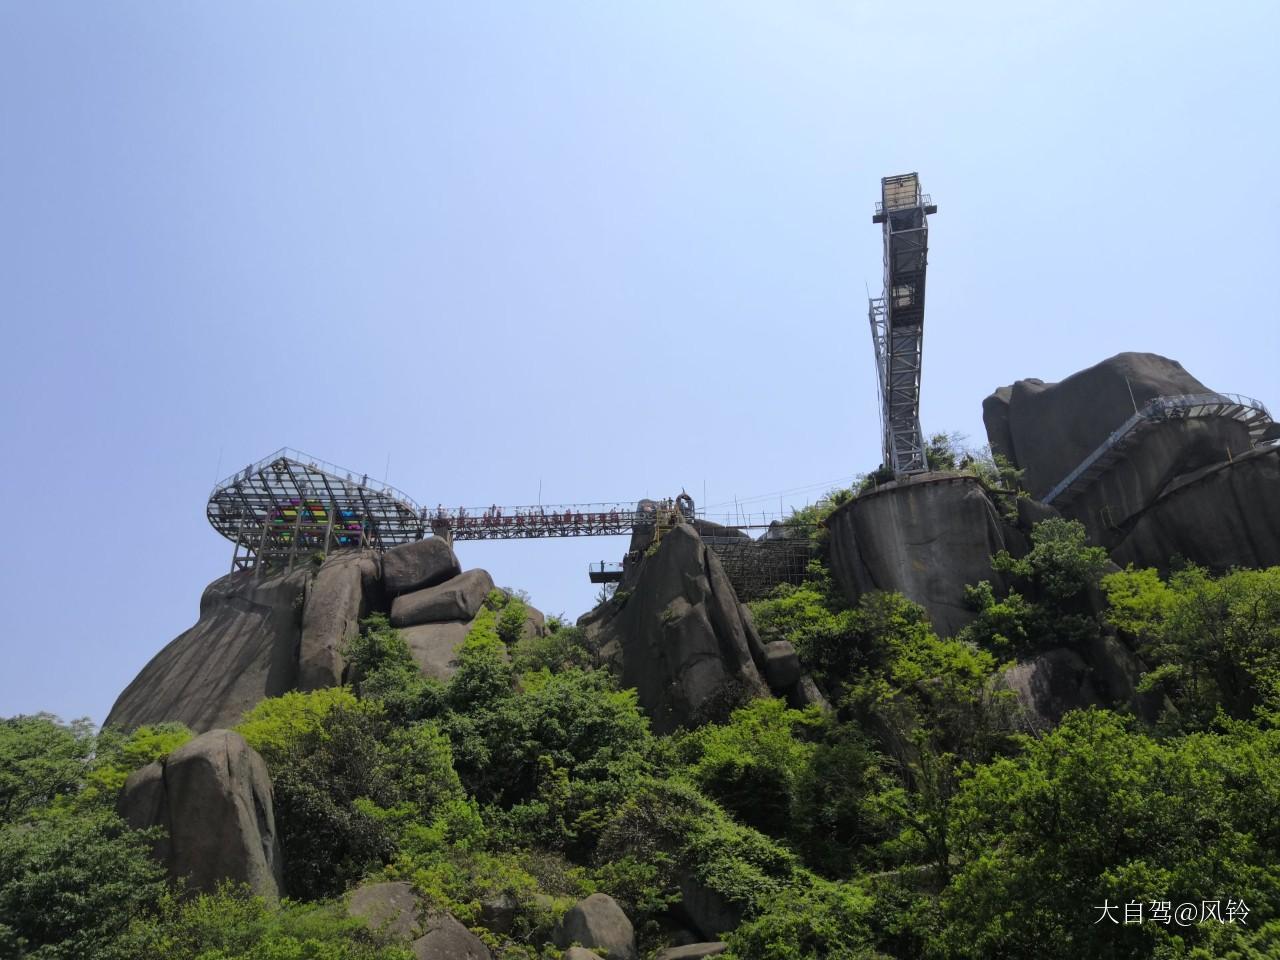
(1159, 410)
(897, 319)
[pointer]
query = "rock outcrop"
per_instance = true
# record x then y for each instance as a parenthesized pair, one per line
(243, 649)
(679, 636)
(413, 566)
(459, 598)
(927, 538)
(693, 951)
(1048, 429)
(1224, 516)
(263, 637)
(395, 910)
(337, 599)
(212, 796)
(435, 646)
(600, 925)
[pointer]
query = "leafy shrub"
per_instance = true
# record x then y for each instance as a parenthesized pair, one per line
(822, 921)
(41, 760)
(1212, 643)
(235, 925)
(69, 883)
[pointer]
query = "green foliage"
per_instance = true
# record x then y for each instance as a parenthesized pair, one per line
(41, 760)
(117, 755)
(553, 750)
(753, 764)
(562, 648)
(69, 883)
(277, 725)
(1053, 601)
(347, 784)
(1060, 567)
(845, 805)
(824, 921)
(1095, 812)
(382, 668)
(1212, 643)
(234, 925)
(669, 826)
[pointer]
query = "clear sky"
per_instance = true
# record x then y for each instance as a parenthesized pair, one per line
(605, 250)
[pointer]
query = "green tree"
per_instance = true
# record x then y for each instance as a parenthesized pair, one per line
(753, 764)
(41, 760)
(70, 882)
(1094, 813)
(1054, 600)
(1211, 642)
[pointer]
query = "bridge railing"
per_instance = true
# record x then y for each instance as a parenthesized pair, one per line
(1155, 410)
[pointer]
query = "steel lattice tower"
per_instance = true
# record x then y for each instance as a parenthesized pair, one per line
(897, 319)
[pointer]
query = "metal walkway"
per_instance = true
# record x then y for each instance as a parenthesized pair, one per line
(897, 319)
(290, 506)
(1246, 410)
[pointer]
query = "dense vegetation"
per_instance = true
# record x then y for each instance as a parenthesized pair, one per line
(913, 820)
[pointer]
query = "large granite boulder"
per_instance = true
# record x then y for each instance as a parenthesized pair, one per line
(1223, 516)
(677, 634)
(457, 599)
(412, 566)
(447, 939)
(337, 599)
(693, 951)
(243, 649)
(435, 646)
(711, 913)
(1049, 685)
(213, 798)
(926, 538)
(1048, 429)
(599, 924)
(394, 909)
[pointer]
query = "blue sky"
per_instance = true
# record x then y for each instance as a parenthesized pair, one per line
(606, 250)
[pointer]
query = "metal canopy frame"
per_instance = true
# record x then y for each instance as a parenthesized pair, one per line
(289, 506)
(897, 320)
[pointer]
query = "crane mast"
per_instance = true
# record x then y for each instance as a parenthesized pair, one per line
(897, 319)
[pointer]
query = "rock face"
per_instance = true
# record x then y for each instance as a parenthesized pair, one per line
(259, 638)
(599, 924)
(457, 599)
(336, 601)
(435, 646)
(1227, 515)
(242, 649)
(680, 637)
(1047, 429)
(413, 566)
(926, 538)
(213, 797)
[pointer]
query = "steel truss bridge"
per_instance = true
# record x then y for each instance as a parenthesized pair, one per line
(897, 319)
(289, 507)
(1159, 410)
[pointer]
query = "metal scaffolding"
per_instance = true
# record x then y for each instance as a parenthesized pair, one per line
(897, 319)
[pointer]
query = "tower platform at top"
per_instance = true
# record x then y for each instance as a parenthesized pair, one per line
(897, 319)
